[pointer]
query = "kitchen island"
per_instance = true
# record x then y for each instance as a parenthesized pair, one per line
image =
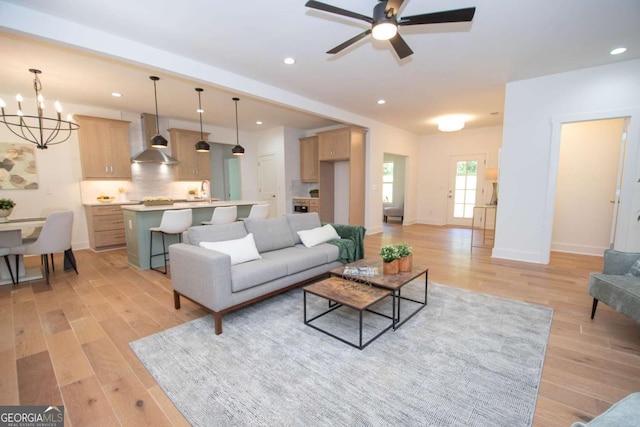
(139, 218)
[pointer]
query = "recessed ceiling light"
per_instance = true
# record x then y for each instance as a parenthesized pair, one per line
(618, 51)
(381, 101)
(258, 122)
(289, 61)
(199, 110)
(116, 94)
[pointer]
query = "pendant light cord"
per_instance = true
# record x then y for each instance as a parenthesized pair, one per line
(155, 95)
(237, 132)
(199, 90)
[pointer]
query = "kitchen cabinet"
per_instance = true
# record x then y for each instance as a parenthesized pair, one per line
(309, 159)
(340, 146)
(335, 144)
(106, 227)
(192, 166)
(308, 204)
(104, 148)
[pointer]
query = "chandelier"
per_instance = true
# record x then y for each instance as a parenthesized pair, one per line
(39, 130)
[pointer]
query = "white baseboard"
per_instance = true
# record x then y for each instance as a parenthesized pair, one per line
(533, 257)
(578, 249)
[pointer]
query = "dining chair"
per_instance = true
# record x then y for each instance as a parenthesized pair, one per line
(54, 237)
(260, 211)
(223, 215)
(5, 252)
(173, 222)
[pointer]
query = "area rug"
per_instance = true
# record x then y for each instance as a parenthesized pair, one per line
(467, 359)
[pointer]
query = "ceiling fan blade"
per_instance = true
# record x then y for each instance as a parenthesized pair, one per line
(350, 42)
(401, 47)
(332, 9)
(395, 5)
(457, 15)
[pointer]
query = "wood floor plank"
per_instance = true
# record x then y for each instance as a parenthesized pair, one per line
(9, 378)
(133, 404)
(37, 383)
(67, 357)
(106, 361)
(86, 404)
(54, 321)
(167, 406)
(87, 329)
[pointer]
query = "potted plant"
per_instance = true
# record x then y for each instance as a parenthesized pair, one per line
(192, 193)
(6, 206)
(389, 254)
(405, 254)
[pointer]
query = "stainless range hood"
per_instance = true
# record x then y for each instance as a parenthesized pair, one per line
(150, 154)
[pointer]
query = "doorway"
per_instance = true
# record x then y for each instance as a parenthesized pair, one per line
(588, 185)
(268, 181)
(466, 173)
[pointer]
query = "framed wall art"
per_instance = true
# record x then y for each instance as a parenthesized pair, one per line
(18, 169)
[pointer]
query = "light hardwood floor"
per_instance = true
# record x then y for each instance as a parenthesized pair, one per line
(68, 344)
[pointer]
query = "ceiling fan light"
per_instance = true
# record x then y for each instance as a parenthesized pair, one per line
(384, 30)
(159, 141)
(450, 124)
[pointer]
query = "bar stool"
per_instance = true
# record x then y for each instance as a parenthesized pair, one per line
(260, 211)
(223, 215)
(173, 222)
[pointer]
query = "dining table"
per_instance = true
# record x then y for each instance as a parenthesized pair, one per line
(11, 232)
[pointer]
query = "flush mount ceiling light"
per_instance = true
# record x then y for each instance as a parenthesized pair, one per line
(201, 146)
(116, 94)
(39, 130)
(238, 150)
(289, 61)
(381, 101)
(158, 141)
(618, 51)
(258, 122)
(450, 123)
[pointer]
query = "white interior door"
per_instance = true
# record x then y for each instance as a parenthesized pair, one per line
(466, 178)
(268, 181)
(588, 186)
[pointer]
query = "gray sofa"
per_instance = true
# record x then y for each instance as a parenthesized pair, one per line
(208, 277)
(618, 285)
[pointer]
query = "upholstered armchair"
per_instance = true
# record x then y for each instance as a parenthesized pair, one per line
(394, 211)
(618, 285)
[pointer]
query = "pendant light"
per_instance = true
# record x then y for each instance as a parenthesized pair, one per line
(237, 150)
(157, 141)
(201, 146)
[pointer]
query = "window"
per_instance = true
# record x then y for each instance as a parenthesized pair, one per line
(465, 189)
(387, 182)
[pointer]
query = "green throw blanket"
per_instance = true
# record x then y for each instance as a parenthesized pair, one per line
(351, 243)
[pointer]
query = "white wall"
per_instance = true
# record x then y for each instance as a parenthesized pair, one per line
(534, 112)
(435, 151)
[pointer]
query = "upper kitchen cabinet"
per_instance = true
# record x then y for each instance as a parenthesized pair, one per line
(309, 159)
(335, 145)
(104, 148)
(192, 166)
(342, 147)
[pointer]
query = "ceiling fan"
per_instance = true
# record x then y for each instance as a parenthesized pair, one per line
(385, 22)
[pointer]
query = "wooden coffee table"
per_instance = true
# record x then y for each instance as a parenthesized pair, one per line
(394, 283)
(340, 292)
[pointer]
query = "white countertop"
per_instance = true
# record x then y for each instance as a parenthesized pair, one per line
(186, 205)
(115, 202)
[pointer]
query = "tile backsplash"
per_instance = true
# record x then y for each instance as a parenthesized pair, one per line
(147, 180)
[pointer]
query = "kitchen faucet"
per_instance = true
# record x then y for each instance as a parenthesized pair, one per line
(206, 184)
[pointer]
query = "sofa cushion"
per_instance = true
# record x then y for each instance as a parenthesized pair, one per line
(299, 258)
(216, 233)
(635, 269)
(254, 273)
(302, 221)
(318, 235)
(240, 250)
(270, 233)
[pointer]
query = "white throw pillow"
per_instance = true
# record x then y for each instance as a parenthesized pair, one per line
(240, 250)
(318, 235)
